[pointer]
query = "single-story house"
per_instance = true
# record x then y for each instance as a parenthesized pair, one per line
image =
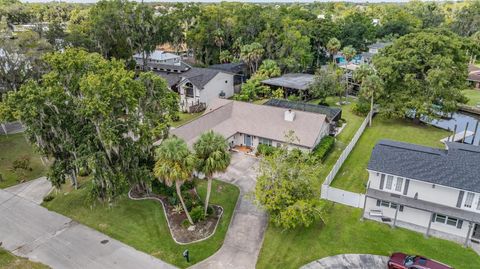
(429, 190)
(292, 83)
(197, 87)
(248, 125)
(474, 75)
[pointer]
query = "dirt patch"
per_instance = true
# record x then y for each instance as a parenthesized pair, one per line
(182, 235)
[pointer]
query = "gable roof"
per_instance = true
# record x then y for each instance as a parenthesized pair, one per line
(229, 67)
(332, 113)
(197, 76)
(298, 81)
(456, 167)
(229, 117)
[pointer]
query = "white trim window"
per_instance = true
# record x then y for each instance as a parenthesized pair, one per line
(264, 141)
(394, 183)
(469, 200)
(389, 184)
(448, 220)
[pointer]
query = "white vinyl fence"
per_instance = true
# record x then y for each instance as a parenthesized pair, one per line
(338, 195)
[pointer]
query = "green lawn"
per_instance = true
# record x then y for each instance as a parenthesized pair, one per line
(185, 117)
(13, 147)
(345, 233)
(353, 123)
(353, 175)
(142, 224)
(473, 96)
(9, 261)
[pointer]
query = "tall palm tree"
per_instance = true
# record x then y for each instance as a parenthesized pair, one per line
(175, 164)
(372, 87)
(212, 153)
(333, 46)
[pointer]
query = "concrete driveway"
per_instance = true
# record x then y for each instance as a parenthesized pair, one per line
(245, 234)
(30, 230)
(349, 261)
(33, 190)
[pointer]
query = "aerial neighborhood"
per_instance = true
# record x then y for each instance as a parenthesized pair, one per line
(240, 134)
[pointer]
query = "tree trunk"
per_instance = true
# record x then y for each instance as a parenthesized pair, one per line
(209, 190)
(73, 176)
(179, 193)
(371, 112)
(4, 129)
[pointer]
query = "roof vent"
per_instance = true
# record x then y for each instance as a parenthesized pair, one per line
(289, 115)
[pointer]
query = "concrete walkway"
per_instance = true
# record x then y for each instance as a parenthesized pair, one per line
(33, 190)
(349, 261)
(30, 230)
(245, 235)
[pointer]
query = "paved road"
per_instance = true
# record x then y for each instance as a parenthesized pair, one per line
(245, 235)
(29, 230)
(33, 190)
(349, 261)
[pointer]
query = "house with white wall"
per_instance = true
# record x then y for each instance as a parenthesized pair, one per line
(197, 87)
(429, 190)
(249, 125)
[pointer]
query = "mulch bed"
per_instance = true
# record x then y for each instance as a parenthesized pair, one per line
(203, 229)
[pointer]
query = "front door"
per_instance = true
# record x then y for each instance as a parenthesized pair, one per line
(248, 140)
(476, 232)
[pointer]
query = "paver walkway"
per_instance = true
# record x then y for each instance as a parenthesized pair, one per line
(349, 261)
(30, 230)
(245, 235)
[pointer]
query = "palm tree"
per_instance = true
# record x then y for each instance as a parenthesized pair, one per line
(175, 164)
(372, 87)
(333, 46)
(211, 150)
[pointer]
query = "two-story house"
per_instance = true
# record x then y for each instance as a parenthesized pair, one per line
(429, 190)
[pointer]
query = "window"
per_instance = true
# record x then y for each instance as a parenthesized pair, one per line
(478, 203)
(452, 221)
(398, 187)
(448, 220)
(189, 90)
(389, 204)
(389, 183)
(265, 141)
(469, 200)
(440, 218)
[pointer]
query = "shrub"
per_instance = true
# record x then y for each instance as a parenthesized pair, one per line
(188, 185)
(197, 214)
(323, 148)
(48, 198)
(172, 200)
(210, 210)
(84, 171)
(361, 108)
(185, 223)
(265, 150)
(22, 163)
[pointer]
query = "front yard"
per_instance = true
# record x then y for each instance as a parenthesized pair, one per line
(13, 148)
(10, 261)
(185, 117)
(142, 224)
(345, 233)
(353, 175)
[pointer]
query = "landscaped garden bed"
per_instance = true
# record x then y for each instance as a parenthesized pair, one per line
(182, 232)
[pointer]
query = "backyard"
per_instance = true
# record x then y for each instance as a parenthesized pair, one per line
(345, 233)
(10, 261)
(15, 148)
(353, 176)
(142, 224)
(473, 96)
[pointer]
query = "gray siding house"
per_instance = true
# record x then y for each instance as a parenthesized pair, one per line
(429, 190)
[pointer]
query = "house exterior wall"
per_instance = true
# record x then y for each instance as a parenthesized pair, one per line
(239, 140)
(211, 90)
(423, 191)
(186, 102)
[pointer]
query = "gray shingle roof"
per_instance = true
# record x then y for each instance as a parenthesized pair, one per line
(197, 76)
(458, 166)
(229, 67)
(332, 113)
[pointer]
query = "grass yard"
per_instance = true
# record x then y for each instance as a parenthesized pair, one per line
(473, 96)
(185, 117)
(260, 101)
(353, 175)
(142, 224)
(345, 233)
(10, 261)
(353, 123)
(13, 147)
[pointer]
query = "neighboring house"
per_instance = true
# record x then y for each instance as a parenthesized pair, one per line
(372, 50)
(197, 87)
(239, 71)
(428, 190)
(474, 75)
(158, 57)
(292, 83)
(248, 125)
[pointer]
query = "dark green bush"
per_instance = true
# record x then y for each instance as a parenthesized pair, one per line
(210, 210)
(361, 108)
(197, 214)
(323, 148)
(265, 150)
(185, 223)
(48, 198)
(173, 200)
